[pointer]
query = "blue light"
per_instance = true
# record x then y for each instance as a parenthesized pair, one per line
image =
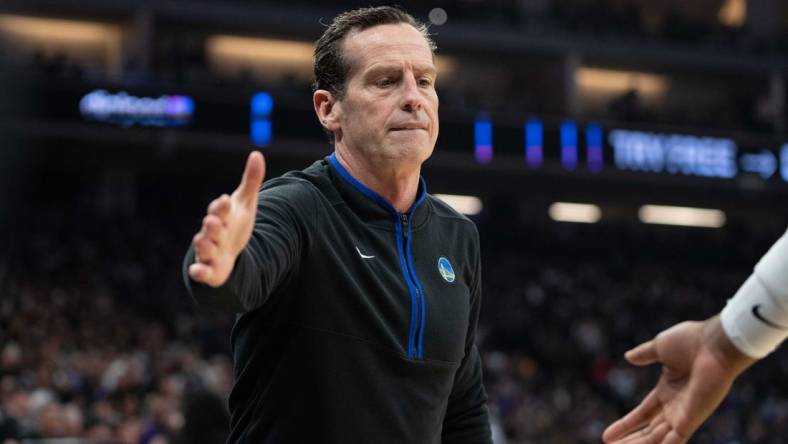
(178, 106)
(262, 105)
(484, 140)
(569, 145)
(763, 163)
(594, 150)
(261, 132)
(784, 162)
(534, 135)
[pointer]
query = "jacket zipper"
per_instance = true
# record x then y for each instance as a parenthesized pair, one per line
(417, 333)
(401, 225)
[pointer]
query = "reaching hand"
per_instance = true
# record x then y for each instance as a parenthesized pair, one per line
(227, 227)
(699, 366)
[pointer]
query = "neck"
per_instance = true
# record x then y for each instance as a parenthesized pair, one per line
(396, 183)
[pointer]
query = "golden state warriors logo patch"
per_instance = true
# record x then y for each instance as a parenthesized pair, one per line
(445, 269)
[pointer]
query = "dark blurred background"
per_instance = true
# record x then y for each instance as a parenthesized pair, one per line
(567, 125)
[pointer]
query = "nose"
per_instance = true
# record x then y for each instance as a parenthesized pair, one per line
(412, 96)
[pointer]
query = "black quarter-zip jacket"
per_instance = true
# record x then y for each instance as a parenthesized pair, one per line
(355, 323)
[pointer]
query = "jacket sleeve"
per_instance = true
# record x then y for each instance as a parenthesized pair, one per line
(285, 218)
(467, 419)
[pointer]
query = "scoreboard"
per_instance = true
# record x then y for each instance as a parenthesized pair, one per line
(593, 148)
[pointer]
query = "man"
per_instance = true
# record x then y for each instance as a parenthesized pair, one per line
(358, 293)
(702, 359)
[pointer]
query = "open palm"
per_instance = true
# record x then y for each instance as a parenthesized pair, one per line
(696, 377)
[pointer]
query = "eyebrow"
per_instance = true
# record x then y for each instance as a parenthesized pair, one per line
(422, 69)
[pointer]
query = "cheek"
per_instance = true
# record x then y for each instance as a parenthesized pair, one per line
(434, 114)
(434, 104)
(368, 108)
(364, 119)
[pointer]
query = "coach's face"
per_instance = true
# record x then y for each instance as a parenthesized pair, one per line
(390, 108)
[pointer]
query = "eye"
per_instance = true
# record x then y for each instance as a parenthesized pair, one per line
(425, 81)
(385, 81)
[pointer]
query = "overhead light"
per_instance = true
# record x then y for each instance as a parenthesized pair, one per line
(438, 16)
(59, 30)
(612, 81)
(733, 13)
(468, 205)
(446, 66)
(230, 53)
(266, 58)
(575, 212)
(682, 216)
(261, 50)
(84, 42)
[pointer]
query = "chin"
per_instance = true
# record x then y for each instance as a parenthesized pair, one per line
(410, 148)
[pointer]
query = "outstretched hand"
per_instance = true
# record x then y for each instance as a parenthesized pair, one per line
(699, 364)
(227, 227)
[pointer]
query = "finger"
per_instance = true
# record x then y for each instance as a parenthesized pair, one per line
(660, 432)
(220, 206)
(200, 272)
(643, 354)
(652, 434)
(208, 252)
(674, 437)
(252, 177)
(196, 241)
(212, 226)
(634, 420)
(204, 248)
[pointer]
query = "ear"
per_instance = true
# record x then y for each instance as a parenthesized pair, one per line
(328, 109)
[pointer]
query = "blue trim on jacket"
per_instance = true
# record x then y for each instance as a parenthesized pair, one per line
(417, 306)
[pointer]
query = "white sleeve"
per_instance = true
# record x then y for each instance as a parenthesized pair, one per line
(756, 318)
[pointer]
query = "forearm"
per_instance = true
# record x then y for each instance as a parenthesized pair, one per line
(284, 219)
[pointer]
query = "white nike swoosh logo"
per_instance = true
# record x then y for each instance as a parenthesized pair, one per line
(363, 256)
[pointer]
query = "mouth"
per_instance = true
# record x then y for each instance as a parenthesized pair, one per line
(409, 128)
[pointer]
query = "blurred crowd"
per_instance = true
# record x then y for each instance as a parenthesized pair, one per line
(558, 317)
(99, 340)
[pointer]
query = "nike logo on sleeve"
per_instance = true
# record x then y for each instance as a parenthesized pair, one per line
(364, 256)
(756, 311)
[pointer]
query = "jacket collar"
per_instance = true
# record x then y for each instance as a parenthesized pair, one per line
(370, 205)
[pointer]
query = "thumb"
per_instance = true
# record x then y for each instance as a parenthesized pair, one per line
(252, 177)
(643, 354)
(200, 272)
